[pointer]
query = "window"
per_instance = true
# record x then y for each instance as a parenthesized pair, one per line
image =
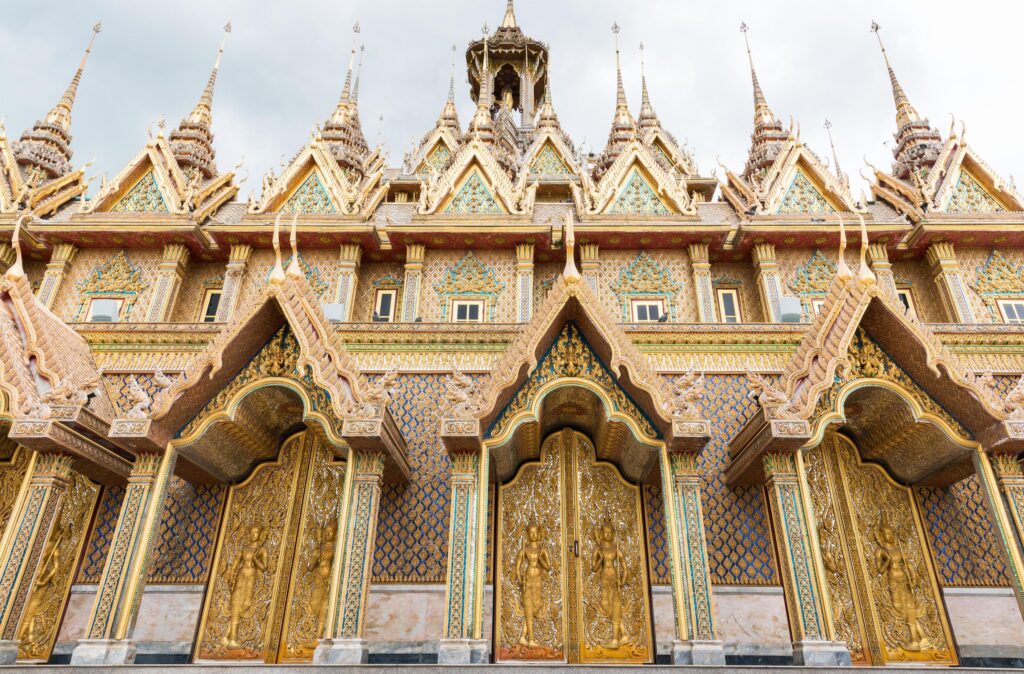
(104, 310)
(906, 297)
(648, 311)
(384, 306)
(816, 307)
(467, 311)
(729, 305)
(1012, 310)
(211, 303)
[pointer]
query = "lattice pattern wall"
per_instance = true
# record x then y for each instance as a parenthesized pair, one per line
(971, 260)
(193, 289)
(923, 289)
(68, 298)
(370, 273)
(726, 274)
(614, 262)
(437, 262)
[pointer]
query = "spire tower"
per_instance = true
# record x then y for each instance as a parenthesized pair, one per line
(648, 119)
(768, 136)
(510, 16)
(192, 141)
(624, 130)
(482, 125)
(449, 114)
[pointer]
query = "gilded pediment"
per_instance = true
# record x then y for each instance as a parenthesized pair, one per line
(472, 184)
(151, 183)
(799, 183)
(637, 184)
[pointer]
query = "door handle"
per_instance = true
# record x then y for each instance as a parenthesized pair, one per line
(576, 548)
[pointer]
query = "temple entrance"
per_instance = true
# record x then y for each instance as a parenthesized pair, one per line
(885, 598)
(571, 578)
(268, 592)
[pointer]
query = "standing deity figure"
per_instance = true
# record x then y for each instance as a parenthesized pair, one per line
(241, 577)
(531, 565)
(322, 582)
(609, 563)
(32, 633)
(892, 565)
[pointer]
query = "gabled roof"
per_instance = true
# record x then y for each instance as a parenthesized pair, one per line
(669, 188)
(474, 157)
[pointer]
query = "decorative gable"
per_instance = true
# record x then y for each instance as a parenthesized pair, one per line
(637, 197)
(310, 197)
(117, 278)
(814, 277)
(644, 278)
(804, 198)
(436, 160)
(470, 278)
(473, 198)
(970, 197)
(317, 284)
(549, 162)
(143, 197)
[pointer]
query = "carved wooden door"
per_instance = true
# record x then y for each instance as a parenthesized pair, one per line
(267, 595)
(885, 598)
(572, 583)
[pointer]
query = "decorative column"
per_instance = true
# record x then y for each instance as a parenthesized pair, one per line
(1002, 477)
(696, 641)
(353, 562)
(414, 254)
(350, 255)
(810, 621)
(879, 258)
(108, 637)
(239, 258)
(701, 264)
(769, 281)
(524, 282)
(949, 278)
(588, 266)
(56, 270)
(168, 281)
(35, 511)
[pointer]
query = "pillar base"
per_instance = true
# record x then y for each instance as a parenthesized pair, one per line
(695, 652)
(341, 652)
(103, 652)
(821, 654)
(462, 652)
(9, 651)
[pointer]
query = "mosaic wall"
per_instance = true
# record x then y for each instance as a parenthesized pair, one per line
(741, 274)
(915, 273)
(185, 542)
(436, 264)
(973, 262)
(68, 298)
(198, 276)
(371, 273)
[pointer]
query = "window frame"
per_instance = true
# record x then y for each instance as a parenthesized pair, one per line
(636, 302)
(911, 303)
(735, 292)
(481, 306)
(92, 301)
(816, 305)
(204, 304)
(393, 314)
(1002, 304)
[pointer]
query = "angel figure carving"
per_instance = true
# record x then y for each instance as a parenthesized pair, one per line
(686, 394)
(139, 399)
(768, 395)
(1015, 400)
(462, 395)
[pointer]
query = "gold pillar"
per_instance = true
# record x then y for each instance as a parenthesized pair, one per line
(353, 561)
(589, 266)
(949, 279)
(769, 281)
(700, 261)
(879, 258)
(800, 564)
(463, 642)
(56, 271)
(350, 254)
(414, 254)
(24, 538)
(169, 275)
(524, 282)
(696, 640)
(1003, 473)
(237, 262)
(108, 636)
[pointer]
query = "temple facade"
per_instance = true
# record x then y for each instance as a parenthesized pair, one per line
(506, 401)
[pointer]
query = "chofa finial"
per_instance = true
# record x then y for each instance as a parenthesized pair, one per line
(294, 271)
(843, 273)
(570, 273)
(277, 276)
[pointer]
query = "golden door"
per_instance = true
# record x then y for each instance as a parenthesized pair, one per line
(886, 601)
(268, 591)
(572, 583)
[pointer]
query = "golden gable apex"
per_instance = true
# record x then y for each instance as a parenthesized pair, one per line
(671, 190)
(440, 189)
(968, 184)
(155, 158)
(793, 161)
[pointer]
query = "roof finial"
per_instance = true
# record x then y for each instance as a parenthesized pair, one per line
(569, 273)
(510, 16)
(762, 113)
(17, 270)
(61, 113)
(835, 155)
(277, 273)
(347, 89)
(294, 271)
(905, 112)
(648, 119)
(865, 276)
(451, 78)
(482, 119)
(359, 74)
(620, 91)
(202, 113)
(843, 273)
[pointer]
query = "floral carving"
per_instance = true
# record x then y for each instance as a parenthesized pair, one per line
(473, 198)
(970, 197)
(547, 162)
(645, 278)
(815, 276)
(804, 197)
(469, 278)
(143, 197)
(310, 197)
(638, 198)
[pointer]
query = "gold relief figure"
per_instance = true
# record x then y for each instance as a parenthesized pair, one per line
(32, 634)
(531, 565)
(321, 567)
(609, 563)
(891, 564)
(241, 577)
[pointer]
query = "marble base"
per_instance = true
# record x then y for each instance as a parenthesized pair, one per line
(821, 654)
(696, 652)
(8, 651)
(462, 652)
(341, 652)
(103, 652)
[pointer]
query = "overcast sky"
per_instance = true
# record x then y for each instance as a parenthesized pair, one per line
(285, 64)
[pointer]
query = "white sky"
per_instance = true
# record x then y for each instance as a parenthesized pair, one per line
(285, 64)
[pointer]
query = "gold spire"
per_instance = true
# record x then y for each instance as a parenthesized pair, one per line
(449, 114)
(905, 112)
(622, 114)
(202, 113)
(60, 115)
(341, 111)
(547, 117)
(648, 119)
(762, 113)
(510, 16)
(835, 155)
(359, 75)
(482, 124)
(451, 77)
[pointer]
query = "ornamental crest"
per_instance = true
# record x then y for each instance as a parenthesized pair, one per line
(548, 162)
(645, 278)
(310, 197)
(473, 198)
(999, 276)
(469, 278)
(970, 197)
(436, 160)
(312, 275)
(815, 276)
(804, 197)
(389, 281)
(638, 198)
(143, 197)
(116, 278)
(571, 356)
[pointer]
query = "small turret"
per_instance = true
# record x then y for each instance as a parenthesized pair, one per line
(192, 141)
(768, 136)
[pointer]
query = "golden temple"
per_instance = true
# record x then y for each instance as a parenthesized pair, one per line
(506, 401)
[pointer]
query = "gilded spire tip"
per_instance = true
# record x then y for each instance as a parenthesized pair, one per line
(905, 112)
(61, 113)
(762, 113)
(510, 16)
(451, 77)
